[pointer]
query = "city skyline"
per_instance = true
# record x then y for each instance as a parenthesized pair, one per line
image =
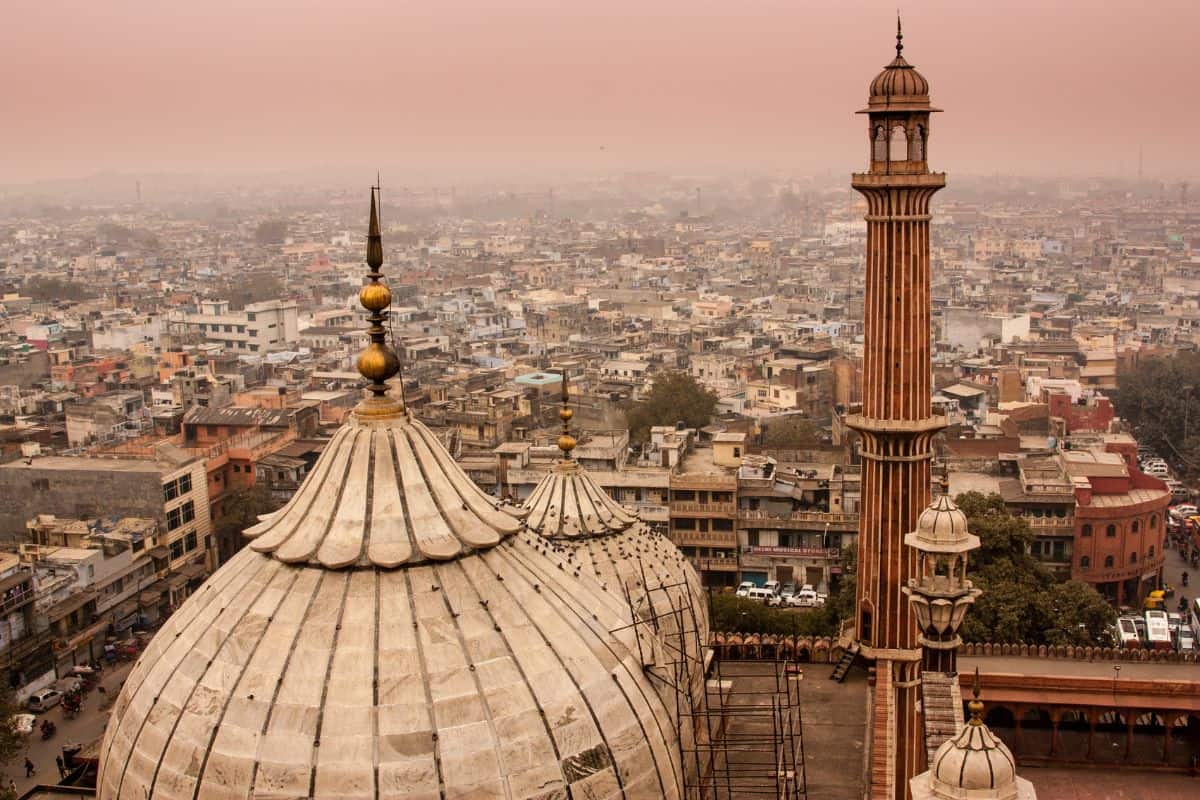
(537, 91)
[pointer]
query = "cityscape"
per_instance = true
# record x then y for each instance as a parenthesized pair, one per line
(536, 461)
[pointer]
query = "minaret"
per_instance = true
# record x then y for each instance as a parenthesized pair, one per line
(896, 423)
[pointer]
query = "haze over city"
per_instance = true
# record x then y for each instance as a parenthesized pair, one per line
(538, 88)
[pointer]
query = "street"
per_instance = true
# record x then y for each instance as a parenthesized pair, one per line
(1173, 569)
(84, 728)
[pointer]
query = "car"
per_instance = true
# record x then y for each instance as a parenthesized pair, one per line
(1183, 511)
(743, 589)
(807, 597)
(44, 700)
(772, 586)
(1186, 640)
(788, 590)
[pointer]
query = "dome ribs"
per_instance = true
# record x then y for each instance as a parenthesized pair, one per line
(391, 540)
(274, 531)
(433, 537)
(343, 544)
(163, 699)
(303, 541)
(344, 761)
(468, 529)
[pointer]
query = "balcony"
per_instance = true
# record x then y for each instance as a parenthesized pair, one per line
(722, 509)
(1063, 524)
(701, 539)
(810, 520)
(716, 564)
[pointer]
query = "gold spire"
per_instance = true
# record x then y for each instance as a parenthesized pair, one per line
(976, 705)
(378, 362)
(899, 36)
(566, 442)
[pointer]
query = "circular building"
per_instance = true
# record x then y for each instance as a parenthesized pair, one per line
(392, 632)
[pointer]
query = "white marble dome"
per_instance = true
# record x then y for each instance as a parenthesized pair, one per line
(942, 528)
(974, 764)
(393, 632)
(638, 566)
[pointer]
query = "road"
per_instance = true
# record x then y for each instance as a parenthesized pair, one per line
(84, 728)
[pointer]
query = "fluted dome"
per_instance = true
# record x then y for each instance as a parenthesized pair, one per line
(635, 564)
(486, 664)
(942, 528)
(974, 764)
(899, 82)
(384, 493)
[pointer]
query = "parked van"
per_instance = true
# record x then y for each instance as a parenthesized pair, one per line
(44, 700)
(744, 588)
(1158, 630)
(1127, 634)
(761, 595)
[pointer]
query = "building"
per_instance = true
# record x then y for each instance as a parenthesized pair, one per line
(258, 328)
(170, 489)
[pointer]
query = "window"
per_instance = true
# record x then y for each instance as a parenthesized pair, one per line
(241, 328)
(177, 549)
(236, 468)
(170, 491)
(880, 153)
(1150, 552)
(899, 149)
(1110, 531)
(737, 452)
(41, 484)
(1108, 562)
(1133, 558)
(189, 511)
(916, 148)
(185, 484)
(1137, 526)
(1085, 562)
(1153, 521)
(189, 542)
(174, 519)
(1086, 530)
(251, 316)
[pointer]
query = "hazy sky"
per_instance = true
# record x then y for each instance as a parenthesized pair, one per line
(535, 86)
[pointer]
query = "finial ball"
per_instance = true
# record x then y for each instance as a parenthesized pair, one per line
(377, 363)
(566, 443)
(375, 297)
(565, 414)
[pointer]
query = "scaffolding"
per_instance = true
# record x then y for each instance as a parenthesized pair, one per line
(740, 729)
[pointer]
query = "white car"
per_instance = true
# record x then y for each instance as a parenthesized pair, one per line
(1187, 641)
(44, 700)
(744, 588)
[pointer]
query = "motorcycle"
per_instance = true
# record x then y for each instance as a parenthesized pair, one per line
(1183, 607)
(1184, 579)
(72, 704)
(48, 729)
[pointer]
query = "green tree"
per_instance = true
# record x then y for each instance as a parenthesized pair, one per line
(1022, 601)
(674, 397)
(842, 600)
(241, 509)
(1160, 399)
(790, 431)
(734, 614)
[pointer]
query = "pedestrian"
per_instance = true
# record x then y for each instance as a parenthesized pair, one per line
(12, 787)
(62, 768)
(30, 770)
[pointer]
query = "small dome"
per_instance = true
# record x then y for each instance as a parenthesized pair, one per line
(942, 528)
(974, 764)
(635, 564)
(899, 83)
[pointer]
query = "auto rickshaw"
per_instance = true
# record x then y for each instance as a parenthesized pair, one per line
(1156, 599)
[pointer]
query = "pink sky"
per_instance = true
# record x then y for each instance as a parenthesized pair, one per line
(534, 86)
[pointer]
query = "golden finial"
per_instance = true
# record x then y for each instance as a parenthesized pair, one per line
(976, 705)
(378, 362)
(566, 442)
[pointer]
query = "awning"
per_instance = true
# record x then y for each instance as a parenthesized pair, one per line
(150, 597)
(193, 571)
(70, 604)
(177, 581)
(123, 609)
(159, 552)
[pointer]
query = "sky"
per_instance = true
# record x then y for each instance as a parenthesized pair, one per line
(543, 87)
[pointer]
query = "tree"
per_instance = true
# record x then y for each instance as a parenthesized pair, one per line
(842, 600)
(733, 614)
(1160, 399)
(1022, 601)
(674, 397)
(271, 231)
(790, 431)
(241, 509)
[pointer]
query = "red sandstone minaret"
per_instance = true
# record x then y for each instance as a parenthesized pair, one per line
(896, 423)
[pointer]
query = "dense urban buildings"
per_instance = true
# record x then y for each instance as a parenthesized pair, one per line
(601, 413)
